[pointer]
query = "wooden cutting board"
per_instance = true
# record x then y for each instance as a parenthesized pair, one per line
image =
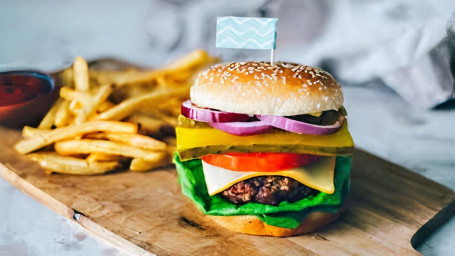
(389, 211)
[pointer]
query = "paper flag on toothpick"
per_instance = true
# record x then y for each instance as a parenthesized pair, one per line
(249, 33)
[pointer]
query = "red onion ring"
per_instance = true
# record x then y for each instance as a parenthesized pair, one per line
(189, 110)
(242, 128)
(295, 126)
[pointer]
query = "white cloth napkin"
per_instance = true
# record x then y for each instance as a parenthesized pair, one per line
(404, 43)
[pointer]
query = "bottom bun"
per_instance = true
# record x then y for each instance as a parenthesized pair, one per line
(252, 225)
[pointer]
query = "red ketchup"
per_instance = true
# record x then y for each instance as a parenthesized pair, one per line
(20, 86)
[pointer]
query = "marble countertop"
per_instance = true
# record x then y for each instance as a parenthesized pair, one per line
(421, 140)
(49, 34)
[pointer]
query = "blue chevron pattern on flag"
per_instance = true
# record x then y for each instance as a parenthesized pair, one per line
(249, 33)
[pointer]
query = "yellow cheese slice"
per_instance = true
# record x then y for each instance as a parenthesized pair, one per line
(202, 137)
(318, 114)
(318, 175)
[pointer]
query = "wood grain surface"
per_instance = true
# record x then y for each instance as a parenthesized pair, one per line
(145, 213)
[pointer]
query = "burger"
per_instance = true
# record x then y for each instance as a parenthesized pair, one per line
(265, 149)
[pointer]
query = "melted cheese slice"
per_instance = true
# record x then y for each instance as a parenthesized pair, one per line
(189, 136)
(318, 175)
(318, 114)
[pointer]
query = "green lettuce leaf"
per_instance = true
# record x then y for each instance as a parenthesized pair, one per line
(286, 214)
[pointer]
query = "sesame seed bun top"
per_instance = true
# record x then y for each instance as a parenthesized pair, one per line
(259, 88)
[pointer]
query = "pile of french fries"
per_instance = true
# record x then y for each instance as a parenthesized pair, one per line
(105, 120)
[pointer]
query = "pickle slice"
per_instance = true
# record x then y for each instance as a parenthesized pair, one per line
(195, 139)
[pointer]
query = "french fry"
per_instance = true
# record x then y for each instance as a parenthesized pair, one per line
(81, 103)
(180, 70)
(131, 77)
(95, 136)
(54, 162)
(34, 143)
(74, 107)
(142, 165)
(99, 157)
(102, 94)
(165, 110)
(89, 139)
(89, 103)
(148, 124)
(122, 93)
(29, 132)
(80, 73)
(171, 106)
(131, 105)
(104, 106)
(48, 120)
(137, 140)
(172, 120)
(62, 115)
(87, 146)
(71, 94)
(193, 59)
(67, 77)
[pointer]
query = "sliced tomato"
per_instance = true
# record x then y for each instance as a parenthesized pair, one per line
(259, 162)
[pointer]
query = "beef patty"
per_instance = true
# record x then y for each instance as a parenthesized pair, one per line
(267, 190)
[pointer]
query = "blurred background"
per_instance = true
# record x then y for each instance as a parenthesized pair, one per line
(405, 43)
(394, 59)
